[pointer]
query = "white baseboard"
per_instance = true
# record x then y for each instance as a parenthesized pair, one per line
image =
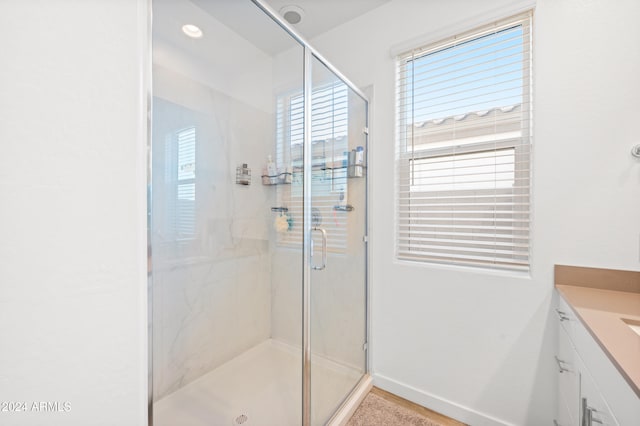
(443, 406)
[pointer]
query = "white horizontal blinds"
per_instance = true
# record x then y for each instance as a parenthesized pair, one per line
(185, 224)
(464, 119)
(329, 130)
(329, 112)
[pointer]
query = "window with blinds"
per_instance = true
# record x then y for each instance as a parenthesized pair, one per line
(329, 131)
(180, 175)
(463, 148)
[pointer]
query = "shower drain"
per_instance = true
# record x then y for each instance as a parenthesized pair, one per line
(242, 419)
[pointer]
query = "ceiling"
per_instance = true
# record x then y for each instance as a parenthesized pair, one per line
(246, 21)
(322, 15)
(244, 18)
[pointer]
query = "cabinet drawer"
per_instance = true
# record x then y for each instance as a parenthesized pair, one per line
(568, 377)
(563, 418)
(566, 317)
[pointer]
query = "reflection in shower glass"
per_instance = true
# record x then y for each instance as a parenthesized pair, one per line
(329, 130)
(186, 186)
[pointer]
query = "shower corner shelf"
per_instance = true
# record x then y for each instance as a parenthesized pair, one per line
(279, 179)
(243, 175)
(276, 183)
(351, 170)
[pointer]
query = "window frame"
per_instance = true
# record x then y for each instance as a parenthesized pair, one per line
(522, 145)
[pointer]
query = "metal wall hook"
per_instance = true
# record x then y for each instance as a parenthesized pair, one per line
(635, 151)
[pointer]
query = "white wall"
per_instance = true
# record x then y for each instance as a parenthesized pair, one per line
(72, 211)
(479, 346)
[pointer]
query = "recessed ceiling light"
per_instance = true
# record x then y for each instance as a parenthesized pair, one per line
(292, 14)
(192, 31)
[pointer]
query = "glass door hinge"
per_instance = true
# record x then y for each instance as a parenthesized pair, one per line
(365, 130)
(365, 239)
(365, 346)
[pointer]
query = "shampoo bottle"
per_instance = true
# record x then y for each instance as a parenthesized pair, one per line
(359, 167)
(272, 171)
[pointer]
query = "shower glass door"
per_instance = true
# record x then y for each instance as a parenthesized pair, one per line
(257, 222)
(337, 287)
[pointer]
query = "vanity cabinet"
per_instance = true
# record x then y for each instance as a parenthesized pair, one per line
(591, 391)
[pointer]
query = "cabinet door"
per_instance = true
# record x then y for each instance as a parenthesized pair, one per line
(594, 411)
(620, 398)
(568, 380)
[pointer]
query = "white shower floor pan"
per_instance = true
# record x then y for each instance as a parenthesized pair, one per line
(260, 387)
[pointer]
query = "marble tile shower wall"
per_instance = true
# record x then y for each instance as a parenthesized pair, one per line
(211, 261)
(208, 314)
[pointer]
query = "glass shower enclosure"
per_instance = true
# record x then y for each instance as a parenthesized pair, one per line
(258, 222)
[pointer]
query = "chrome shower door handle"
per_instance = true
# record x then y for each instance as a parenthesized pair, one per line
(324, 249)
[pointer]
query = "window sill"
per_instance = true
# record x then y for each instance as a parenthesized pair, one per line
(524, 275)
